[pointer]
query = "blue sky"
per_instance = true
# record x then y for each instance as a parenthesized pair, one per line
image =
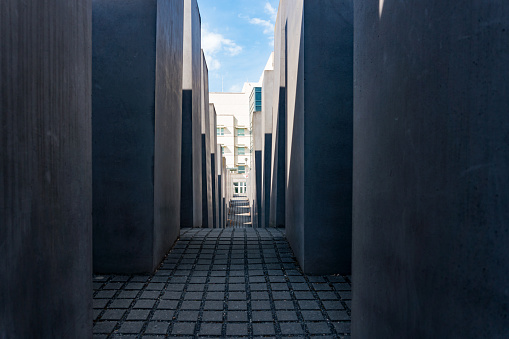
(237, 37)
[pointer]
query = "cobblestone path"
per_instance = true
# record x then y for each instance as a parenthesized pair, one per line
(215, 283)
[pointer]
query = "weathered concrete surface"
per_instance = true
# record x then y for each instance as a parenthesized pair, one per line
(431, 157)
(206, 149)
(191, 172)
(137, 81)
(278, 165)
(45, 169)
(319, 184)
(267, 108)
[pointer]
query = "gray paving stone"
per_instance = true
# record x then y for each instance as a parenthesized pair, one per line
(210, 329)
(313, 316)
(263, 329)
(318, 328)
(262, 316)
(131, 327)
(144, 304)
(163, 315)
(237, 316)
(183, 328)
(156, 327)
(286, 315)
(188, 316)
(291, 328)
(138, 314)
(236, 330)
(113, 314)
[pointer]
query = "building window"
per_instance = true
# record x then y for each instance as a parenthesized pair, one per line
(241, 132)
(242, 169)
(222, 150)
(220, 131)
(241, 150)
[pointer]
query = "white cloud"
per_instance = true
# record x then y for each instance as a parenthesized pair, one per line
(267, 24)
(214, 44)
(271, 11)
(268, 27)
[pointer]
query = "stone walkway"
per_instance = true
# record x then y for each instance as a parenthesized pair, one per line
(234, 282)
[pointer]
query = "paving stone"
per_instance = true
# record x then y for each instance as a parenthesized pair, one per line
(318, 328)
(167, 304)
(261, 316)
(278, 295)
(113, 314)
(210, 329)
(338, 315)
(131, 327)
(128, 294)
(263, 329)
(193, 296)
(236, 330)
(188, 316)
(144, 304)
(213, 305)
(284, 305)
(237, 316)
(286, 315)
(308, 305)
(313, 316)
(156, 327)
(138, 314)
(239, 296)
(260, 305)
(105, 294)
(291, 328)
(191, 305)
(183, 328)
(163, 315)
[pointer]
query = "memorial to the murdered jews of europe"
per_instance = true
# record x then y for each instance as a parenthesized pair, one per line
(359, 189)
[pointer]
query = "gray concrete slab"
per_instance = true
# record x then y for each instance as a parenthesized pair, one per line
(267, 109)
(45, 169)
(206, 149)
(137, 81)
(191, 173)
(278, 162)
(431, 159)
(215, 154)
(319, 134)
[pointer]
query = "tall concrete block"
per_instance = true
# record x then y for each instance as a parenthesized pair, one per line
(213, 164)
(45, 169)
(137, 83)
(191, 176)
(278, 163)
(256, 177)
(267, 109)
(320, 134)
(206, 150)
(431, 158)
